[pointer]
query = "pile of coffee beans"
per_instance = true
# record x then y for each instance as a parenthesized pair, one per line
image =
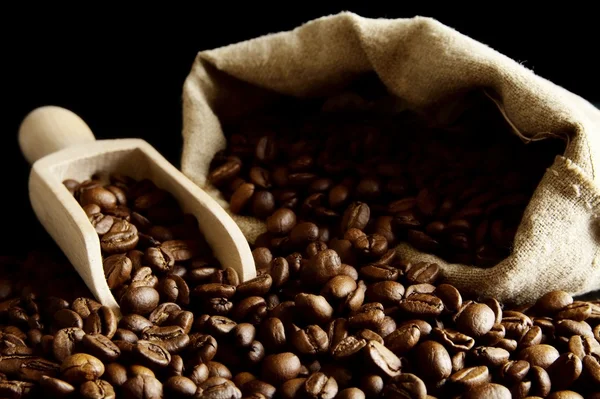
(458, 192)
(323, 318)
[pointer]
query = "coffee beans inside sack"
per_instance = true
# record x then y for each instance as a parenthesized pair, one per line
(407, 130)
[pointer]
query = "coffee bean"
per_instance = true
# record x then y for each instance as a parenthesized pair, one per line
(577, 311)
(152, 353)
(351, 393)
(81, 367)
(372, 246)
(384, 359)
(322, 267)
(115, 374)
(179, 387)
(281, 221)
(67, 318)
(309, 341)
(122, 237)
(348, 347)
(402, 340)
(56, 387)
(142, 386)
(99, 196)
(97, 389)
(591, 368)
(468, 378)
(117, 269)
(65, 342)
(244, 334)
(255, 287)
(421, 305)
(565, 370)
(539, 355)
(488, 390)
(436, 363)
(423, 272)
(160, 259)
(514, 371)
(139, 300)
(280, 367)
(385, 292)
(321, 386)
(453, 340)
(371, 385)
(219, 387)
(552, 302)
(204, 347)
(173, 338)
(101, 321)
(356, 216)
(475, 319)
(241, 197)
(314, 308)
(262, 203)
(565, 395)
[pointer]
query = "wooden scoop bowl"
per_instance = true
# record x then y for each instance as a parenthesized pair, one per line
(61, 146)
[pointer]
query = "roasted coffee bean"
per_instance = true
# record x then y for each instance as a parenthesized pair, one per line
(402, 340)
(244, 334)
(421, 305)
(314, 308)
(160, 259)
(371, 385)
(142, 386)
(564, 371)
(531, 337)
(309, 341)
(280, 367)
(135, 323)
(173, 338)
(539, 355)
(348, 347)
(356, 216)
(65, 342)
(385, 292)
(488, 390)
(591, 368)
(383, 359)
(97, 389)
(281, 221)
(117, 269)
(351, 393)
(204, 347)
(143, 277)
(65, 318)
(490, 356)
(139, 300)
(372, 246)
(101, 321)
(435, 361)
(179, 387)
(514, 371)
(81, 367)
(468, 378)
(257, 286)
(552, 302)
(215, 290)
(16, 389)
(318, 385)
(122, 237)
(322, 267)
(56, 387)
(453, 340)
(475, 319)
(115, 374)
(152, 353)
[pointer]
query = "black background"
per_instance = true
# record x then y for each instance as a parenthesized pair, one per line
(122, 72)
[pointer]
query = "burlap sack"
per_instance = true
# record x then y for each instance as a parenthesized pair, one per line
(426, 64)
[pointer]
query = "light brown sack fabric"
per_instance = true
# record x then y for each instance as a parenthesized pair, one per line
(426, 64)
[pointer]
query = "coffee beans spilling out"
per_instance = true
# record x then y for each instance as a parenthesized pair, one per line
(324, 318)
(312, 176)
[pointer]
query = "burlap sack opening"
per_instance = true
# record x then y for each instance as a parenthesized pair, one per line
(428, 66)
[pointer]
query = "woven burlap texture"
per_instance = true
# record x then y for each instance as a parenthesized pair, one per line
(424, 63)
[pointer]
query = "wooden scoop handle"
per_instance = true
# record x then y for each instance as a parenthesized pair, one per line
(49, 129)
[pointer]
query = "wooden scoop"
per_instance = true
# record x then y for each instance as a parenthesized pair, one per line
(61, 146)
